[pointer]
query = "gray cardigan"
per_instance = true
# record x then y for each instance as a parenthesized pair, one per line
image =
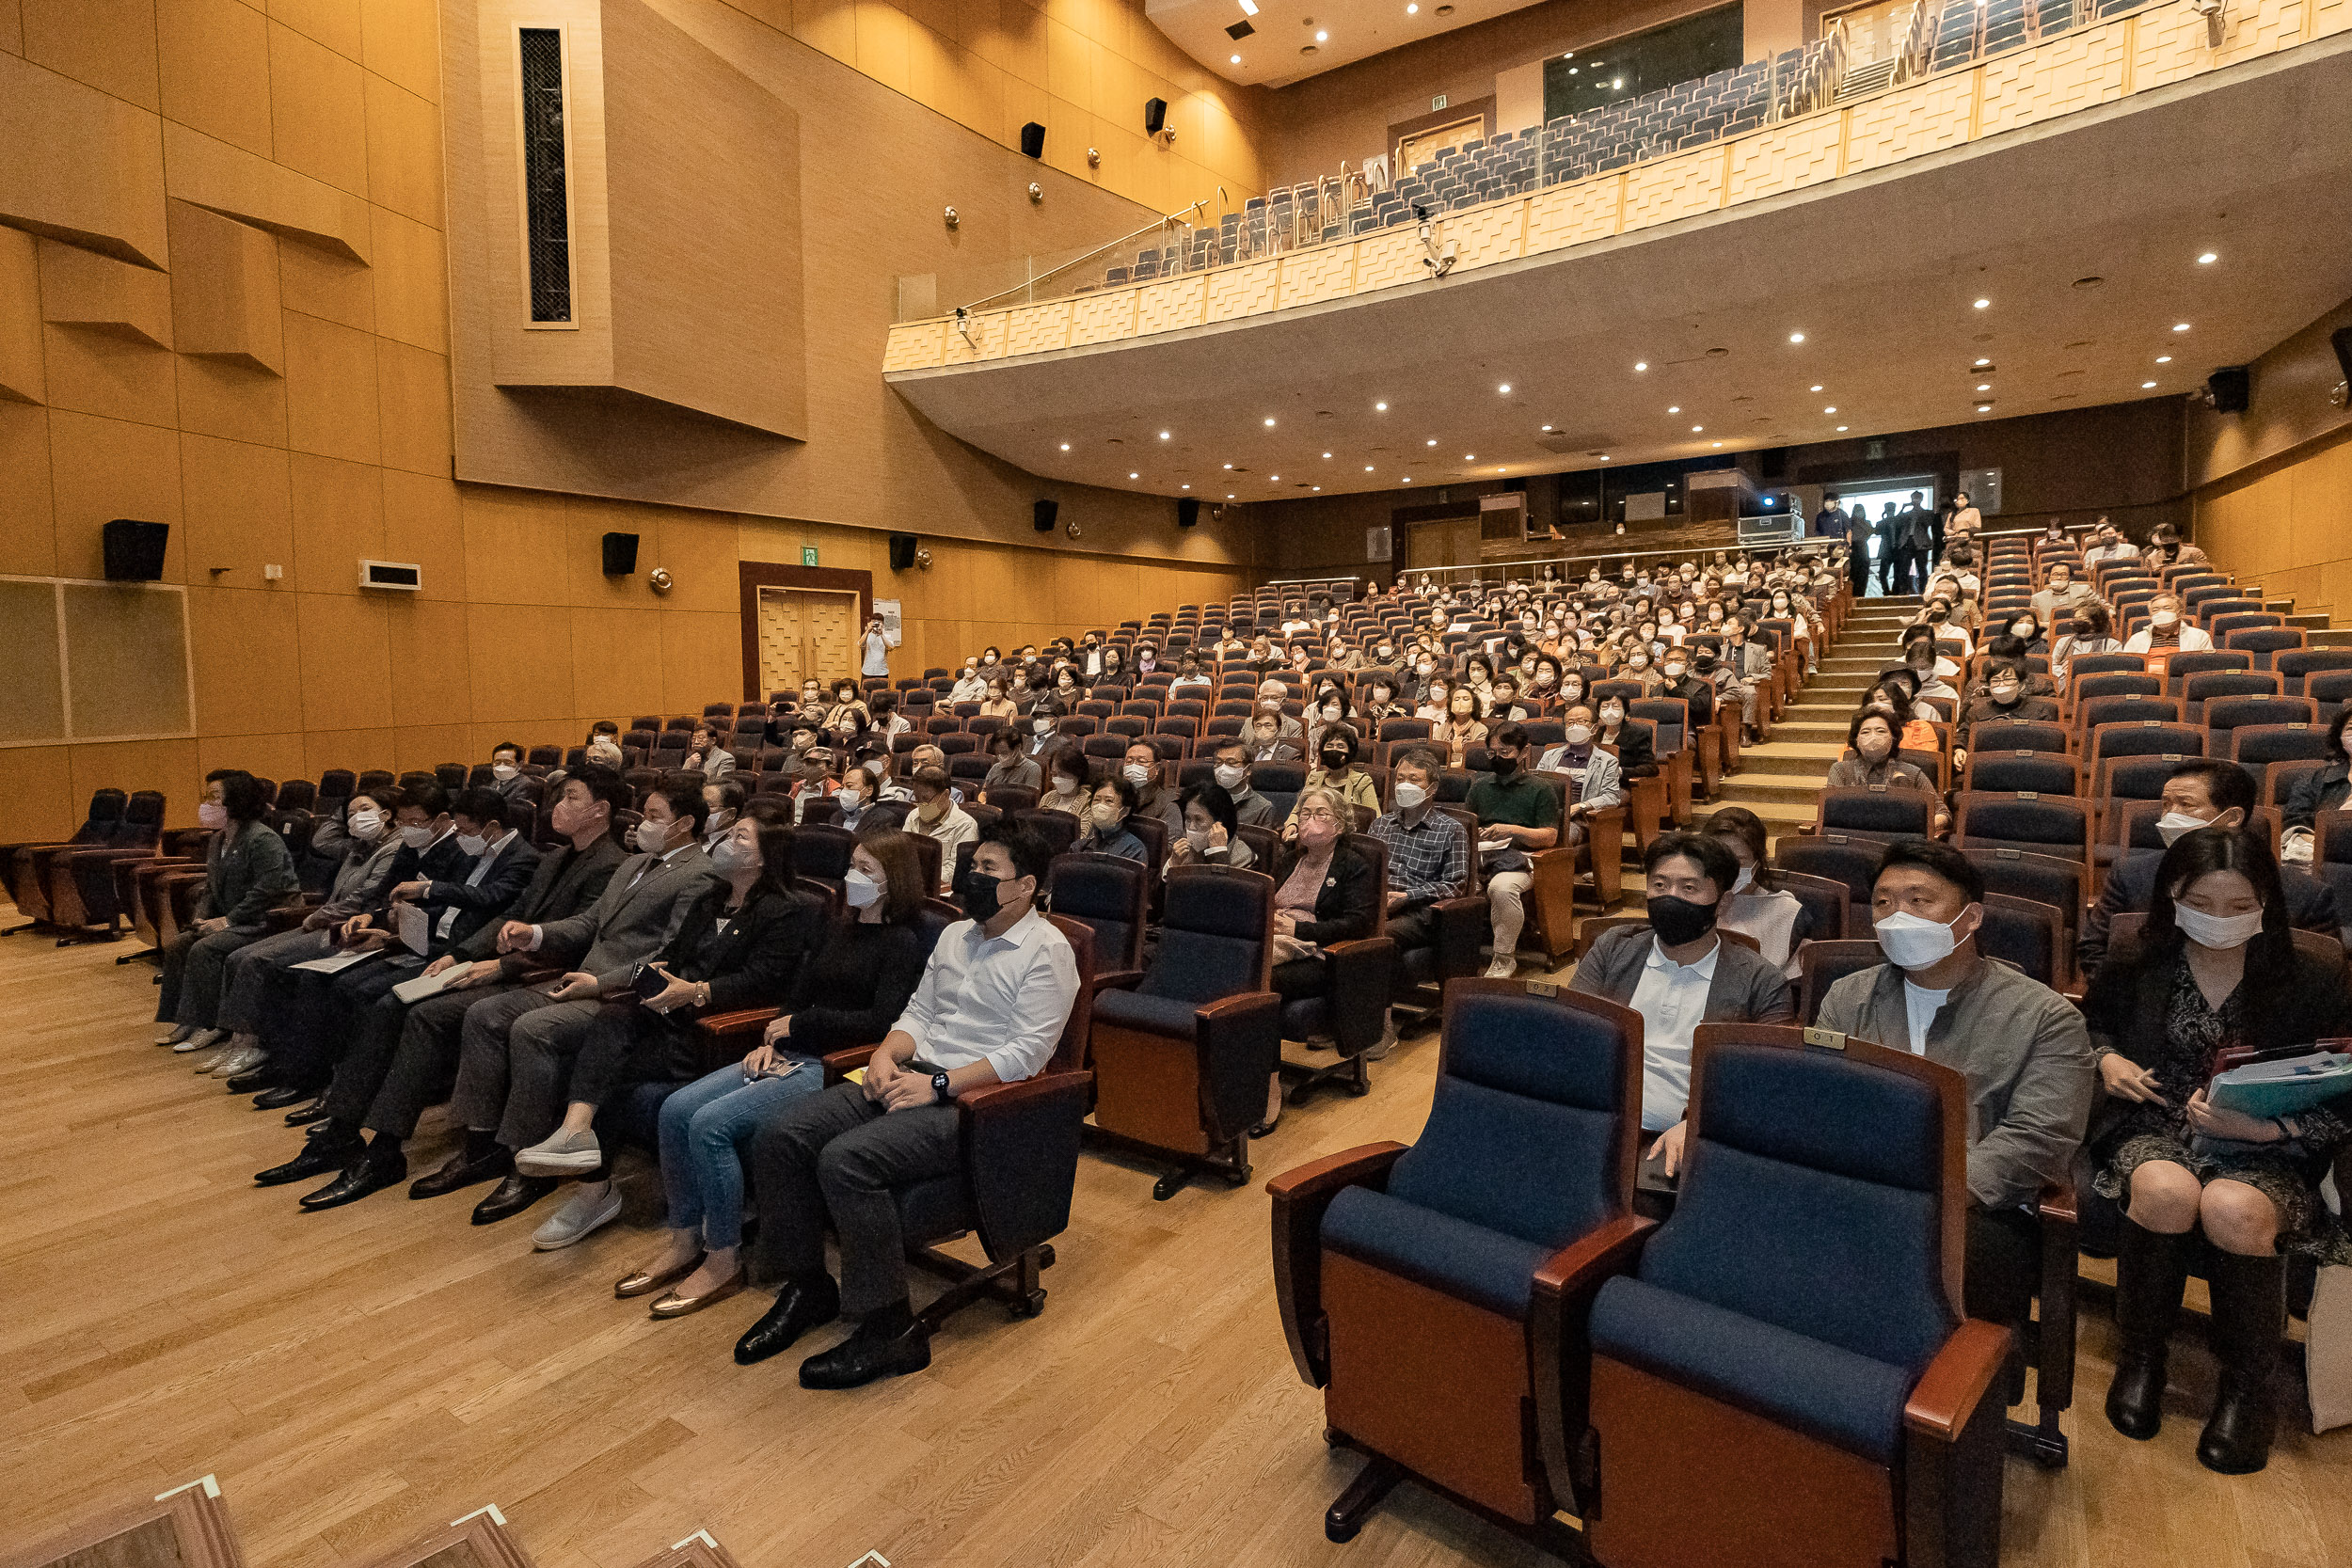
(2024, 1052)
(1745, 990)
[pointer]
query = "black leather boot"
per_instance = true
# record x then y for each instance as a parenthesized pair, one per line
(800, 1306)
(2151, 1272)
(2250, 1308)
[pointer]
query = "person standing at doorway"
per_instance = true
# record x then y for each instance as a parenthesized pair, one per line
(1890, 550)
(874, 649)
(1858, 536)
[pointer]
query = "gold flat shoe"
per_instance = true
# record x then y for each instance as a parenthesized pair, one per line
(675, 1306)
(646, 1280)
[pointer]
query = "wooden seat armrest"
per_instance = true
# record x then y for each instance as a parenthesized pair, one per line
(1558, 1311)
(1949, 1390)
(1300, 1197)
(1365, 1165)
(1592, 1258)
(840, 1064)
(1238, 1005)
(2055, 1203)
(1118, 979)
(743, 1020)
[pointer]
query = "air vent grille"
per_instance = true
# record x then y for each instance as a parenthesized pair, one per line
(546, 215)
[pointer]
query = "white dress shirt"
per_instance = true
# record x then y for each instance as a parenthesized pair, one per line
(1671, 1000)
(1002, 1000)
(482, 864)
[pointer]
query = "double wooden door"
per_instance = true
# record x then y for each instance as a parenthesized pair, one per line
(807, 632)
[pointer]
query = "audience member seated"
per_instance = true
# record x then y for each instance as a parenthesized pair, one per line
(937, 816)
(642, 909)
(1335, 769)
(741, 945)
(2005, 697)
(1516, 811)
(1323, 893)
(1140, 767)
(402, 1055)
(1068, 781)
(507, 776)
(1106, 830)
(2200, 792)
(859, 794)
(1212, 834)
(705, 755)
(1250, 809)
(2323, 789)
(1460, 728)
(723, 804)
(1678, 972)
(2165, 632)
(1429, 857)
(1267, 742)
(1870, 736)
(2021, 1046)
(990, 1009)
(1596, 784)
(2063, 595)
(1010, 768)
(247, 874)
(2216, 970)
(1757, 906)
(813, 780)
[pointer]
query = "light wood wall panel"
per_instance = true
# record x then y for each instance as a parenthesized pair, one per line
(2282, 522)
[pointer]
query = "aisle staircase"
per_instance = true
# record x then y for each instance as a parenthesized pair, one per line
(1781, 779)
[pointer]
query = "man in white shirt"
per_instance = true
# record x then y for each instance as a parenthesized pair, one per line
(990, 1010)
(2166, 633)
(874, 648)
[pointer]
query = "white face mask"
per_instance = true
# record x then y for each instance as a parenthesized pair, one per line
(2172, 824)
(366, 824)
(1579, 734)
(1914, 942)
(416, 838)
(858, 890)
(651, 836)
(1744, 880)
(718, 821)
(2218, 930)
(1197, 837)
(2164, 618)
(1409, 796)
(471, 845)
(1107, 817)
(502, 771)
(728, 856)
(848, 798)
(1136, 774)
(1065, 784)
(1229, 777)
(1043, 726)
(1611, 715)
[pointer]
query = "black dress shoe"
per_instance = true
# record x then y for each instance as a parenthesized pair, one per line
(798, 1309)
(462, 1172)
(865, 1356)
(513, 1195)
(304, 1115)
(372, 1172)
(326, 1152)
(277, 1099)
(249, 1083)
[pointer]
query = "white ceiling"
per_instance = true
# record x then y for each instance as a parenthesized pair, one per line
(1283, 46)
(1879, 273)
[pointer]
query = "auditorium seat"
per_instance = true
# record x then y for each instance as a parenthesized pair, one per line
(1183, 1053)
(1851, 862)
(21, 864)
(1438, 1295)
(1874, 811)
(1797, 1322)
(1349, 1015)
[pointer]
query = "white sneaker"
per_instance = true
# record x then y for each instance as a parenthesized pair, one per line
(591, 1206)
(203, 1039)
(1505, 966)
(210, 1060)
(240, 1059)
(561, 1154)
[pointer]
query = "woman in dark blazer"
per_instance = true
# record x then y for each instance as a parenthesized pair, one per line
(1636, 757)
(2216, 970)
(248, 873)
(1323, 893)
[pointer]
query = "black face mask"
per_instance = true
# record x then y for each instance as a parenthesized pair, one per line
(1334, 760)
(1677, 921)
(1502, 766)
(979, 896)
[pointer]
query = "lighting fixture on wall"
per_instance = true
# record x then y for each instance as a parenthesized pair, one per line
(1037, 193)
(1094, 157)
(951, 219)
(659, 580)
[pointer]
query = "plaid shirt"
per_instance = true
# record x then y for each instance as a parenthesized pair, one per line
(1428, 860)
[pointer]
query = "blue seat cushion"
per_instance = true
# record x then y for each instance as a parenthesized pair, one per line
(1155, 1015)
(1482, 1267)
(1850, 1402)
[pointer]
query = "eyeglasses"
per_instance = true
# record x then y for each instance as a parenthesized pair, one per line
(1316, 814)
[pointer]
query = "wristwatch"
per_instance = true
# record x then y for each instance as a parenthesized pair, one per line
(939, 1089)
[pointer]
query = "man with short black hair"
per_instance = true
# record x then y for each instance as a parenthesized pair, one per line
(990, 1010)
(936, 816)
(507, 772)
(2023, 1048)
(1517, 812)
(1250, 809)
(1429, 857)
(2199, 792)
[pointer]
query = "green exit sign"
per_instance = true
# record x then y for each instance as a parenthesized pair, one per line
(808, 555)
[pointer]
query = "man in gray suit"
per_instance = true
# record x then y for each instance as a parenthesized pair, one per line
(602, 949)
(2023, 1048)
(1678, 972)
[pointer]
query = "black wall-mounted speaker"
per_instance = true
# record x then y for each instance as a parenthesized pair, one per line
(135, 550)
(902, 551)
(620, 554)
(2341, 340)
(2230, 390)
(1033, 139)
(1043, 514)
(1187, 512)
(1775, 462)
(1154, 114)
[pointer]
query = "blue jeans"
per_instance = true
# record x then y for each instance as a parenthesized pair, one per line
(703, 1128)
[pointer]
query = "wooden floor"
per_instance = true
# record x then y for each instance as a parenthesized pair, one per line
(358, 1377)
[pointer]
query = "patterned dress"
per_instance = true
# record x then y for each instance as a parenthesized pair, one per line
(2288, 1174)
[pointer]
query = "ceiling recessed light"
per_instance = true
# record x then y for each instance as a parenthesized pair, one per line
(1318, 486)
(1796, 337)
(1326, 455)
(1134, 476)
(1817, 387)
(2180, 327)
(1408, 479)
(1984, 408)
(2207, 259)
(1674, 408)
(1506, 387)
(1229, 495)
(1412, 11)
(1432, 441)
(1249, 8)
(1719, 443)
(1843, 427)
(1984, 386)
(1187, 488)
(1323, 38)
(1831, 409)
(1604, 458)
(1229, 464)
(1696, 428)
(1380, 407)
(1163, 435)
(1984, 361)
(1274, 479)
(2145, 385)
(1269, 419)
(1547, 427)
(1469, 457)
(2164, 359)
(1367, 467)
(1236, 60)
(1065, 446)
(1641, 364)
(1982, 304)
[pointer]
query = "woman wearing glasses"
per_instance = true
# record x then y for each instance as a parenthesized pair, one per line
(1323, 893)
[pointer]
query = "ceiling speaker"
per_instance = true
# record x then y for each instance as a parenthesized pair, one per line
(1041, 515)
(1187, 512)
(1154, 114)
(133, 550)
(902, 551)
(2230, 390)
(620, 554)
(1033, 139)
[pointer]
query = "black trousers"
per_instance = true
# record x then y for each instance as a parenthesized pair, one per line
(2002, 1272)
(1411, 931)
(404, 1061)
(1296, 979)
(1858, 572)
(836, 1153)
(628, 1045)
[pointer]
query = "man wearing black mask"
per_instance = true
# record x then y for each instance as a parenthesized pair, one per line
(1517, 812)
(1678, 973)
